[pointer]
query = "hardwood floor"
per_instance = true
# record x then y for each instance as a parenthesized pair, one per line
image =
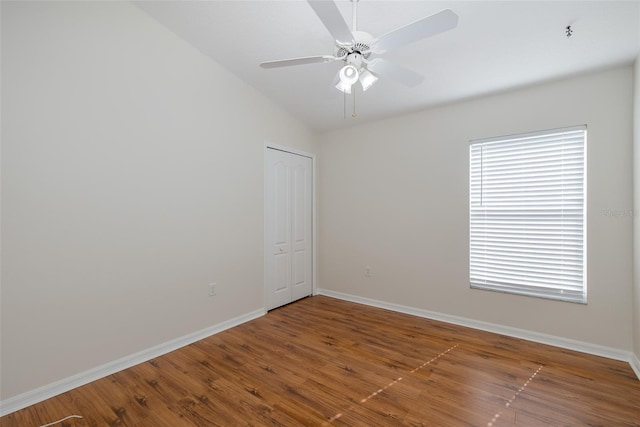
(322, 361)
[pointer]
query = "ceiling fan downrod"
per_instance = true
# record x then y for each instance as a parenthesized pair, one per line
(354, 15)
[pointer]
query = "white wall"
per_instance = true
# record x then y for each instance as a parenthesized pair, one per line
(394, 196)
(132, 176)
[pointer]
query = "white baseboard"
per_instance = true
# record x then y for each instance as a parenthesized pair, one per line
(32, 397)
(635, 364)
(595, 349)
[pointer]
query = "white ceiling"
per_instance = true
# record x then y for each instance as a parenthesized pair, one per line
(497, 45)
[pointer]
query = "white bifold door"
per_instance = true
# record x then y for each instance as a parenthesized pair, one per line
(288, 222)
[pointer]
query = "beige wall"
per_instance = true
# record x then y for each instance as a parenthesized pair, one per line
(394, 196)
(636, 210)
(132, 176)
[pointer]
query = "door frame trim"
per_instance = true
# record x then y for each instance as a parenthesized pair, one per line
(314, 215)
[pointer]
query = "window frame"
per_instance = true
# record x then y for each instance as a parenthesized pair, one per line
(492, 280)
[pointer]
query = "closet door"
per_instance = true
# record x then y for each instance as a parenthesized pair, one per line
(288, 222)
(301, 217)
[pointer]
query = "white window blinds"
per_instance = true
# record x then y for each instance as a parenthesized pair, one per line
(527, 214)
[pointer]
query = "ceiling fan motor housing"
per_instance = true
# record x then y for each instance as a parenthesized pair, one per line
(363, 42)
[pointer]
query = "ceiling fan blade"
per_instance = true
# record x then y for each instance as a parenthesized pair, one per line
(298, 61)
(331, 17)
(396, 72)
(420, 29)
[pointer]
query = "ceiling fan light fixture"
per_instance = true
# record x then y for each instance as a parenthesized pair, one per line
(367, 79)
(342, 87)
(349, 74)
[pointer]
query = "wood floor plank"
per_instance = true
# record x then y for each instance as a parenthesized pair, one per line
(323, 361)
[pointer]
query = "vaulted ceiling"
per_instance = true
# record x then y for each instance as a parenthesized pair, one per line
(497, 45)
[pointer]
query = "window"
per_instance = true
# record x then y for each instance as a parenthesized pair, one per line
(527, 214)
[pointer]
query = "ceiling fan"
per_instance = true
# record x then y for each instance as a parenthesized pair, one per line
(357, 49)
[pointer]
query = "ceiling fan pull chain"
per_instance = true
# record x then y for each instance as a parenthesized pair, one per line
(354, 115)
(344, 106)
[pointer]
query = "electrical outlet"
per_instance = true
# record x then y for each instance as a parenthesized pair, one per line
(212, 289)
(367, 271)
